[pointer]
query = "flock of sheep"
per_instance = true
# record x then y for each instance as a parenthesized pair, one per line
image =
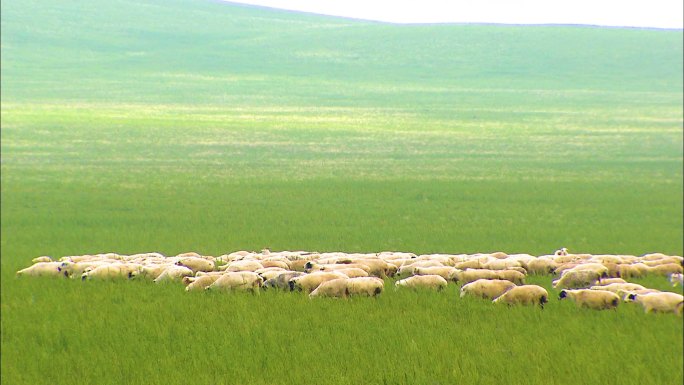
(592, 281)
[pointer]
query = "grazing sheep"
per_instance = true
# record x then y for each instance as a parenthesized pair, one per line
(501, 264)
(370, 286)
(197, 264)
(423, 281)
(524, 295)
(514, 276)
(41, 259)
(201, 282)
(625, 293)
(541, 266)
(577, 279)
(239, 280)
(353, 272)
(281, 281)
(309, 282)
(173, 273)
(592, 299)
(677, 279)
(614, 287)
(243, 265)
(472, 275)
(666, 269)
(664, 302)
(445, 272)
(42, 269)
(112, 271)
(561, 252)
(608, 281)
(333, 288)
(486, 288)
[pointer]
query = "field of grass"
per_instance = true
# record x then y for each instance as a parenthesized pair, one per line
(178, 126)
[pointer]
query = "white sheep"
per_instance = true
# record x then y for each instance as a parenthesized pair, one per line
(309, 282)
(677, 279)
(238, 280)
(42, 269)
(333, 288)
(664, 302)
(445, 272)
(370, 286)
(615, 287)
(592, 299)
(423, 281)
(173, 273)
(577, 279)
(197, 264)
(486, 288)
(524, 295)
(201, 282)
(112, 271)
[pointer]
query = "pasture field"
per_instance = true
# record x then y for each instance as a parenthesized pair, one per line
(177, 126)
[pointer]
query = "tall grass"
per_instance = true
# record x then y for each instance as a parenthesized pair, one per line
(178, 126)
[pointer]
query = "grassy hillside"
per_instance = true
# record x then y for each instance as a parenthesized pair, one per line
(173, 126)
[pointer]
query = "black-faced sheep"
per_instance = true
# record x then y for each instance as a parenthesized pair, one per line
(592, 299)
(524, 295)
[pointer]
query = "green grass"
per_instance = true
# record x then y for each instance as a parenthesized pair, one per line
(200, 126)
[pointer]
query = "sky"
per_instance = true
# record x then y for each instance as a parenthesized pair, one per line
(617, 13)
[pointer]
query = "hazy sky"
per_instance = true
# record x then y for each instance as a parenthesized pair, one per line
(628, 13)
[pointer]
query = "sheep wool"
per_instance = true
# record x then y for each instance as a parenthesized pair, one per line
(592, 299)
(524, 295)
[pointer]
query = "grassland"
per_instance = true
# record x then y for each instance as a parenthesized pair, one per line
(174, 126)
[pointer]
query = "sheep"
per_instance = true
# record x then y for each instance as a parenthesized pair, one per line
(597, 267)
(310, 282)
(501, 264)
(353, 272)
(666, 269)
(112, 271)
(577, 279)
(201, 282)
(514, 276)
(472, 275)
(592, 299)
(275, 263)
(281, 281)
(75, 269)
(370, 286)
(445, 272)
(333, 288)
(42, 269)
(239, 280)
(41, 259)
(561, 252)
(608, 281)
(524, 295)
(423, 281)
(486, 288)
(625, 293)
(664, 302)
(173, 273)
(614, 287)
(541, 266)
(244, 265)
(677, 279)
(197, 264)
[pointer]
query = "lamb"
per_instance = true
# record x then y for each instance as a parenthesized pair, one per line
(486, 288)
(423, 281)
(42, 269)
(677, 279)
(240, 280)
(664, 302)
(524, 295)
(370, 286)
(333, 288)
(592, 299)
(577, 279)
